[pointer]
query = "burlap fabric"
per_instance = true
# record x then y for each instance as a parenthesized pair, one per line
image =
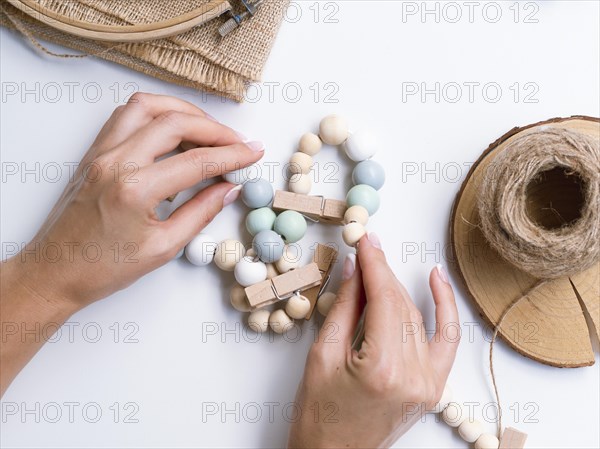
(198, 58)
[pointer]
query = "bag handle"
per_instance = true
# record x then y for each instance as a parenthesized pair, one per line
(124, 33)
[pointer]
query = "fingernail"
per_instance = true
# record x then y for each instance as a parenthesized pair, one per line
(256, 146)
(374, 239)
(349, 266)
(232, 195)
(210, 117)
(241, 136)
(442, 273)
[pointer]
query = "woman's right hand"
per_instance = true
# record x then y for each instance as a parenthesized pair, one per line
(370, 397)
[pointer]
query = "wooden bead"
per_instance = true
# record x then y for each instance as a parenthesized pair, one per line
(269, 246)
(280, 321)
(333, 130)
(260, 220)
(251, 253)
(470, 430)
(249, 272)
(356, 214)
(257, 193)
(360, 146)
(370, 173)
(238, 299)
(325, 302)
(352, 233)
(310, 144)
(487, 441)
(289, 261)
(258, 320)
(272, 271)
(201, 250)
(365, 196)
(297, 307)
(444, 400)
(228, 254)
(300, 163)
(300, 183)
(453, 414)
(290, 225)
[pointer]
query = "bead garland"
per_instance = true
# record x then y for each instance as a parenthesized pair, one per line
(271, 253)
(470, 429)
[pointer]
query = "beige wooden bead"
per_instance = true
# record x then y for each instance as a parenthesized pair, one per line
(356, 214)
(444, 400)
(310, 144)
(297, 307)
(333, 130)
(228, 254)
(325, 302)
(453, 414)
(300, 183)
(258, 320)
(239, 301)
(300, 163)
(272, 271)
(487, 441)
(280, 321)
(352, 233)
(289, 261)
(470, 430)
(251, 253)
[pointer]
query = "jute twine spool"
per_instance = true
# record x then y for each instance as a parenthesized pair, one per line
(505, 210)
(567, 246)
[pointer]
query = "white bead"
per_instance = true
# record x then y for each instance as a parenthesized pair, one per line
(201, 250)
(358, 214)
(179, 253)
(333, 130)
(453, 414)
(300, 163)
(360, 146)
(297, 307)
(487, 441)
(238, 299)
(228, 254)
(300, 183)
(325, 302)
(310, 144)
(248, 272)
(271, 271)
(289, 261)
(444, 400)
(352, 233)
(280, 322)
(243, 174)
(258, 320)
(470, 430)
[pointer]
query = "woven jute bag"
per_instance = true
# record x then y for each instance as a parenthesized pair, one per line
(197, 57)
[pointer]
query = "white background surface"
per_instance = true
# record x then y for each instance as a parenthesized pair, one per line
(367, 56)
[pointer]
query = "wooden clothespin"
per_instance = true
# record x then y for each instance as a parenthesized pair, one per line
(283, 286)
(325, 257)
(317, 208)
(512, 439)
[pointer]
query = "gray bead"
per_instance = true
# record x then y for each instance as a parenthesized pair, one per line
(269, 246)
(369, 172)
(257, 193)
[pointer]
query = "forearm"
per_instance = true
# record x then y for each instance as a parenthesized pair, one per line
(27, 320)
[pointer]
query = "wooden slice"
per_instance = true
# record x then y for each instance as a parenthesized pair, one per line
(548, 325)
(125, 33)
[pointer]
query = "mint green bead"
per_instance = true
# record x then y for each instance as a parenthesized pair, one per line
(290, 225)
(365, 196)
(260, 220)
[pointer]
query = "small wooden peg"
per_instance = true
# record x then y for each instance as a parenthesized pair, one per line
(314, 207)
(282, 286)
(512, 439)
(325, 257)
